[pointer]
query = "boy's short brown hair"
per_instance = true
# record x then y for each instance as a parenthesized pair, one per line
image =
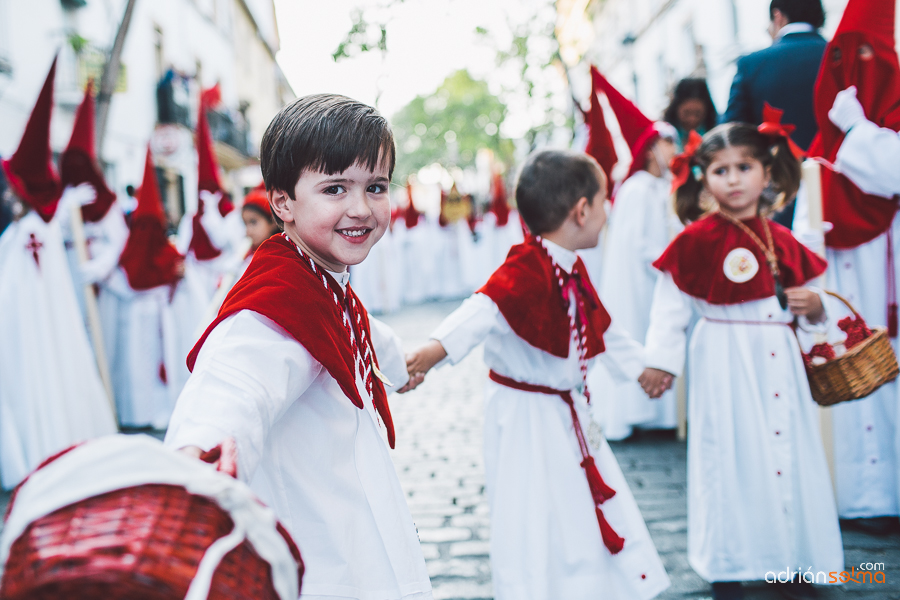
(551, 182)
(327, 133)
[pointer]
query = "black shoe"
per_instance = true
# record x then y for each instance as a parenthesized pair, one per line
(880, 526)
(727, 590)
(798, 590)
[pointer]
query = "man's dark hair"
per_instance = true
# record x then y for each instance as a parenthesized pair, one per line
(327, 133)
(800, 11)
(551, 182)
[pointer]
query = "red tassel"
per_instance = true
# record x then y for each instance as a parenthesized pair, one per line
(892, 320)
(162, 373)
(599, 490)
(611, 539)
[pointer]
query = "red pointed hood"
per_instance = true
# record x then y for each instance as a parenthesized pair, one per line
(600, 143)
(30, 171)
(410, 215)
(207, 166)
(637, 129)
(862, 54)
(149, 259)
(499, 204)
(78, 164)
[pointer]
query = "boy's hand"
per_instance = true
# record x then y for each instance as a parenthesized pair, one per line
(421, 361)
(655, 381)
(192, 451)
(804, 301)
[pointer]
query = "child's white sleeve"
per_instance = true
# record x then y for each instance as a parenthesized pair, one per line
(670, 316)
(623, 357)
(247, 374)
(468, 326)
(389, 350)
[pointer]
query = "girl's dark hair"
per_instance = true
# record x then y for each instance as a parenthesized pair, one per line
(771, 152)
(691, 89)
(266, 214)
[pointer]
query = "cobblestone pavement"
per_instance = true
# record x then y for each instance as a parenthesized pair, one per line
(439, 461)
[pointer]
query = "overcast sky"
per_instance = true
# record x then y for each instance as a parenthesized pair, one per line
(427, 40)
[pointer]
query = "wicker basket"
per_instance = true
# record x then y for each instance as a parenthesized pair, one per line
(857, 373)
(138, 543)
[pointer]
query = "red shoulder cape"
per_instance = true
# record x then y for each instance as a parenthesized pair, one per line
(526, 291)
(696, 260)
(281, 287)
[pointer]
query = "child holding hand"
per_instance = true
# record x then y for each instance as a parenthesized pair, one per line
(292, 366)
(760, 498)
(543, 325)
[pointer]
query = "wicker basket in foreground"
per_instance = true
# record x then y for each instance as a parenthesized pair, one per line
(857, 373)
(138, 543)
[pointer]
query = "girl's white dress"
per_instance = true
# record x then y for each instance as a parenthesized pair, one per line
(759, 492)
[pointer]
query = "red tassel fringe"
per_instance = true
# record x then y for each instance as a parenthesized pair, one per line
(162, 373)
(613, 542)
(892, 320)
(599, 490)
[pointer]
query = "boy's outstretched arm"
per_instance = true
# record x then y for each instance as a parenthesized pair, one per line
(420, 361)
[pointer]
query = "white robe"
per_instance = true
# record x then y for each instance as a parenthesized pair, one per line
(105, 241)
(545, 539)
(641, 224)
(759, 491)
(866, 435)
(51, 395)
(376, 279)
(321, 463)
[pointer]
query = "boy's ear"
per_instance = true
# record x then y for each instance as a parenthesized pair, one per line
(281, 205)
(579, 211)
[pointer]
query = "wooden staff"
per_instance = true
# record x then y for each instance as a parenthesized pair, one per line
(91, 310)
(812, 179)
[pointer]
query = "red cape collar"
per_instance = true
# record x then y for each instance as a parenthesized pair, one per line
(713, 260)
(526, 291)
(279, 286)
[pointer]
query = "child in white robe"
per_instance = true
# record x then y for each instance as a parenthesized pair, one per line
(759, 492)
(640, 227)
(290, 367)
(543, 325)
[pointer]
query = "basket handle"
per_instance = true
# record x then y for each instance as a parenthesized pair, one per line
(847, 303)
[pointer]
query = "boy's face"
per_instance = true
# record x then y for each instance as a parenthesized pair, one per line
(337, 218)
(595, 218)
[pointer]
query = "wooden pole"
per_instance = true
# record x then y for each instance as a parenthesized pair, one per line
(91, 309)
(812, 179)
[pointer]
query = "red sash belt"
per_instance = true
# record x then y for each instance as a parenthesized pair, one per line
(732, 322)
(599, 490)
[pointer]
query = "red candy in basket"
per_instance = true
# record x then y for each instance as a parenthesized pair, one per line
(855, 329)
(123, 517)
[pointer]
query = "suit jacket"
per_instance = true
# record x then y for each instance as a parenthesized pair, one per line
(784, 75)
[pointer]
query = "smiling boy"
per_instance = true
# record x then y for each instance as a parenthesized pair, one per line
(290, 367)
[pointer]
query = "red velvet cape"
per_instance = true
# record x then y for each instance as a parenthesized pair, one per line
(696, 259)
(526, 291)
(281, 287)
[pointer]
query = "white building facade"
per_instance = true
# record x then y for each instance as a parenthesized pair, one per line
(172, 50)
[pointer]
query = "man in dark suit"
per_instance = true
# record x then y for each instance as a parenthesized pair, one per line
(784, 74)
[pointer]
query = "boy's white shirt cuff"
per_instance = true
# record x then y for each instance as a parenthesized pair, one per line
(466, 327)
(822, 326)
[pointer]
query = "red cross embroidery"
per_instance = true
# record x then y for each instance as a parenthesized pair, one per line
(34, 245)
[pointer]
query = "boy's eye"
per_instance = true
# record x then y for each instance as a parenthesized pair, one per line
(720, 171)
(334, 189)
(376, 188)
(744, 167)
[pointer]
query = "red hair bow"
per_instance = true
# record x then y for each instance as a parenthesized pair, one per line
(681, 164)
(773, 127)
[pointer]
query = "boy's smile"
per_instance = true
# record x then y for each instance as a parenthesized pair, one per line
(337, 218)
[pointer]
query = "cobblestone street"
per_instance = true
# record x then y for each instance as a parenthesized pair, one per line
(439, 460)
